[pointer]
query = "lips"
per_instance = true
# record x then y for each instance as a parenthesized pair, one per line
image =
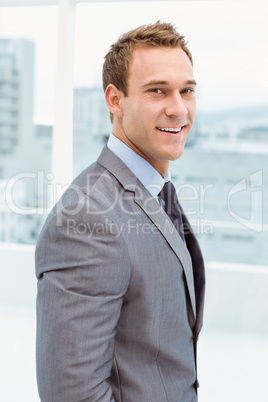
(173, 130)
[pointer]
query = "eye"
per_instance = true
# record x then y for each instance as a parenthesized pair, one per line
(187, 91)
(156, 90)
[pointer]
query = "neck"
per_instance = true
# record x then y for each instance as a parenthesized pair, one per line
(161, 166)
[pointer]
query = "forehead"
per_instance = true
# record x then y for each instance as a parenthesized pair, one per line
(159, 63)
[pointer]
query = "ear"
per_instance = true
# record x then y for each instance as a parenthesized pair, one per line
(113, 98)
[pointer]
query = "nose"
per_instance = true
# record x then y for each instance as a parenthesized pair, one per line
(175, 106)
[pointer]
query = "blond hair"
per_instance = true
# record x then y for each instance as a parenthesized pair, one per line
(117, 60)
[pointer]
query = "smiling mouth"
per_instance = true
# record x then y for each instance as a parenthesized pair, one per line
(170, 130)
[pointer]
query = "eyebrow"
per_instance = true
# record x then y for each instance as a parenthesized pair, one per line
(159, 82)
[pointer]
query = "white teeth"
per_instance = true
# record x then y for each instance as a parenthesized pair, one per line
(173, 130)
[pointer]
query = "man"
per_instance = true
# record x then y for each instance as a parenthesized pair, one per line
(120, 289)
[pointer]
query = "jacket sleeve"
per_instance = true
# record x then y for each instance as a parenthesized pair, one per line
(83, 273)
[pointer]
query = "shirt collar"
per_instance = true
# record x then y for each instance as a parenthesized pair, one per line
(142, 169)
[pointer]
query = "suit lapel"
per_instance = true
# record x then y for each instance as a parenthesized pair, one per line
(160, 219)
(155, 213)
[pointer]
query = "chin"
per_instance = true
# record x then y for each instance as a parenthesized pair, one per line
(174, 157)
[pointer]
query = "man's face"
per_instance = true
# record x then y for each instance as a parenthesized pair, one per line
(159, 110)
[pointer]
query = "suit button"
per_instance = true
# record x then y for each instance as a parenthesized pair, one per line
(195, 337)
(196, 384)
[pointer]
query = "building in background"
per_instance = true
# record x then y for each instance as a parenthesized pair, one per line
(22, 154)
(16, 100)
(92, 126)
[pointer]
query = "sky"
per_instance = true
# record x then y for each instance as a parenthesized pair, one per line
(228, 40)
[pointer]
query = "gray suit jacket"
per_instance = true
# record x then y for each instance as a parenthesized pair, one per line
(119, 303)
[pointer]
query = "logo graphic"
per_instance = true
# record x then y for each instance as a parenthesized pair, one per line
(254, 222)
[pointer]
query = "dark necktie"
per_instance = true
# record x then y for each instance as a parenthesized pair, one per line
(172, 207)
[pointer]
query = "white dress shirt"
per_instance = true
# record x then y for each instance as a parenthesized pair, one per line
(142, 169)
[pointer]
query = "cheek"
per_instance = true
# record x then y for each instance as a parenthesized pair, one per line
(192, 109)
(139, 118)
(130, 112)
